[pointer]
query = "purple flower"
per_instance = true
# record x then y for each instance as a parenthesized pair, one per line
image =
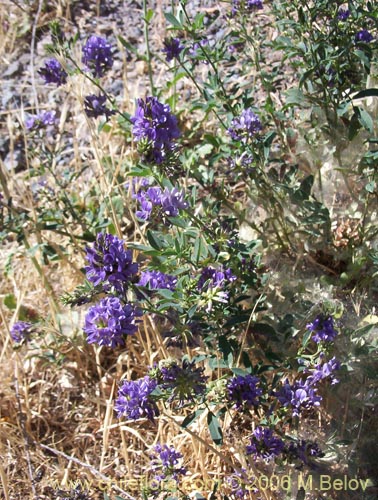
(109, 263)
(245, 126)
(242, 390)
(155, 280)
(40, 120)
(264, 444)
(169, 201)
(137, 182)
(107, 322)
(172, 48)
(21, 331)
(172, 201)
(97, 55)
(215, 277)
(323, 329)
(195, 51)
(363, 36)
(154, 124)
(53, 72)
(94, 106)
(183, 382)
(300, 396)
(134, 399)
(323, 371)
(146, 206)
(165, 463)
(304, 451)
(243, 163)
(343, 14)
(245, 5)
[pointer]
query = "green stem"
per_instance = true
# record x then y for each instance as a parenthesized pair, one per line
(39, 270)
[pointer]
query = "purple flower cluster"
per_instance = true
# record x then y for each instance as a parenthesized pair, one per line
(245, 126)
(172, 48)
(323, 371)
(97, 55)
(155, 280)
(300, 396)
(154, 123)
(134, 399)
(243, 390)
(94, 106)
(109, 263)
(21, 331)
(264, 444)
(165, 463)
(343, 14)
(363, 36)
(107, 322)
(323, 329)
(215, 277)
(169, 201)
(41, 120)
(245, 5)
(184, 382)
(53, 72)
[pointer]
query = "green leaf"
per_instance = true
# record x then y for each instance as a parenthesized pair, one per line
(227, 350)
(240, 318)
(10, 301)
(265, 329)
(204, 150)
(354, 127)
(192, 310)
(149, 15)
(295, 96)
(363, 58)
(239, 372)
(179, 222)
(192, 417)
(304, 191)
(306, 338)
(366, 93)
(214, 428)
(154, 240)
(128, 45)
(165, 304)
(268, 142)
(167, 294)
(215, 363)
(200, 251)
(366, 120)
(173, 20)
(364, 330)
